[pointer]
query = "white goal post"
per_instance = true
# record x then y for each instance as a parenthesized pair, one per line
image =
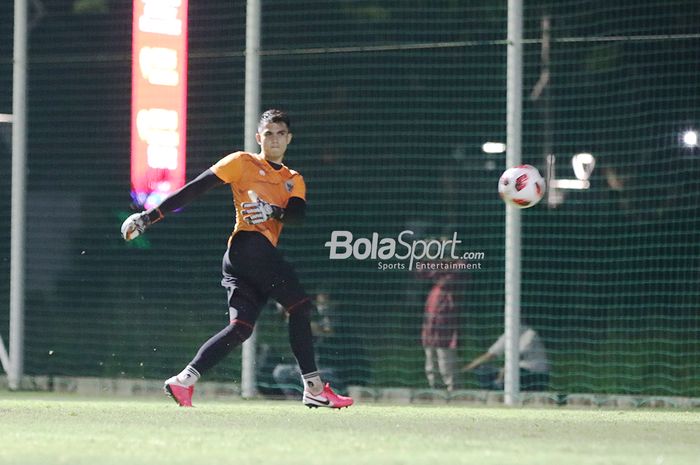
(513, 225)
(252, 113)
(13, 358)
(4, 356)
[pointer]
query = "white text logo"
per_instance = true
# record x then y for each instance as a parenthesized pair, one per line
(343, 245)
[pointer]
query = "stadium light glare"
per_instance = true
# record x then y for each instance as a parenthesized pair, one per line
(493, 147)
(690, 138)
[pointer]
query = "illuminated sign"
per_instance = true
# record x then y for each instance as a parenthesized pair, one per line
(158, 99)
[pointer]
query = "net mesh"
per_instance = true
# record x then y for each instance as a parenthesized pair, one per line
(391, 102)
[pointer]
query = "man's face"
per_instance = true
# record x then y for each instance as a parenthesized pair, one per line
(273, 139)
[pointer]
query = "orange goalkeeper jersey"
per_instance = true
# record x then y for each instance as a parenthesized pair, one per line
(246, 171)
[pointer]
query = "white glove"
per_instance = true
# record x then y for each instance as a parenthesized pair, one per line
(258, 211)
(137, 223)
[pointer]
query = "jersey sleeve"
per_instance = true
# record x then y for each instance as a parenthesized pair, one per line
(299, 187)
(498, 347)
(526, 339)
(230, 168)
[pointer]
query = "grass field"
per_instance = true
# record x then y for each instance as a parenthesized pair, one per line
(52, 429)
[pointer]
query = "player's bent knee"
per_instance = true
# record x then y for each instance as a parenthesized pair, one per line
(302, 308)
(242, 329)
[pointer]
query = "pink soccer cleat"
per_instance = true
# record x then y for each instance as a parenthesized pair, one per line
(179, 393)
(327, 398)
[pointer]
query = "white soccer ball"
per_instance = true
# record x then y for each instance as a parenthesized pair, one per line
(521, 186)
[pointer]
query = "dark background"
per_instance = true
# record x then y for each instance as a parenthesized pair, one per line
(387, 140)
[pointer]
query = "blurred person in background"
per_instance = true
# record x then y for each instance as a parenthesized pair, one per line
(534, 364)
(287, 375)
(440, 329)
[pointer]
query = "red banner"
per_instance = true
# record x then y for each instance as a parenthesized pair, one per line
(158, 99)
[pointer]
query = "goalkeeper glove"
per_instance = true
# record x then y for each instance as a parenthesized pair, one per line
(260, 211)
(137, 223)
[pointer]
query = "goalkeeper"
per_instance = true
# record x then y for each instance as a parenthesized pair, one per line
(266, 195)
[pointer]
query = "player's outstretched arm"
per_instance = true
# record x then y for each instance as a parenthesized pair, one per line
(480, 360)
(187, 193)
(137, 223)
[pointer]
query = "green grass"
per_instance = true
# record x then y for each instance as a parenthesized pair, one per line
(49, 429)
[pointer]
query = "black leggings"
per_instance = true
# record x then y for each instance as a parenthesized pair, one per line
(254, 271)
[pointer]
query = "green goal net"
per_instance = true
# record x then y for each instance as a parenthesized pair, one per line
(391, 103)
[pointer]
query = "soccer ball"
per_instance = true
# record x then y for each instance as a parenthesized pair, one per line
(521, 186)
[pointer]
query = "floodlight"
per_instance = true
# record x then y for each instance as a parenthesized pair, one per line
(493, 147)
(690, 138)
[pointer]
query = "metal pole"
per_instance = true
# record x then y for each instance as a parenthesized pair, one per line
(252, 113)
(513, 228)
(19, 148)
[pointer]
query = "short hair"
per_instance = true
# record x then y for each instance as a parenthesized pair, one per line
(274, 115)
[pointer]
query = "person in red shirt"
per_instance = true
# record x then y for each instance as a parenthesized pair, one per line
(266, 195)
(440, 330)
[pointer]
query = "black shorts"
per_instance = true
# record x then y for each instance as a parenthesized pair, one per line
(254, 271)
